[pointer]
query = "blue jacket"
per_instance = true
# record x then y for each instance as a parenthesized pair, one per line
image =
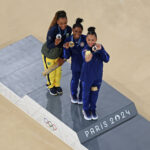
(51, 36)
(93, 70)
(75, 52)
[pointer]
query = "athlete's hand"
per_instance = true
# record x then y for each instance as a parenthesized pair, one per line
(88, 56)
(66, 45)
(99, 46)
(57, 41)
(60, 61)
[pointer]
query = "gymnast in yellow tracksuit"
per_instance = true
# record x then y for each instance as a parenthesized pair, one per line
(52, 50)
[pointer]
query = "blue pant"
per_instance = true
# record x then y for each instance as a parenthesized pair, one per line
(90, 97)
(74, 85)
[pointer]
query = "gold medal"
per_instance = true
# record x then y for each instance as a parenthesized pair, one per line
(87, 53)
(71, 44)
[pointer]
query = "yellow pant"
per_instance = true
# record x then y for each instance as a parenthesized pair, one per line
(53, 79)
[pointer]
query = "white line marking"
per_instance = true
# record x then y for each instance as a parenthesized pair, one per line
(38, 113)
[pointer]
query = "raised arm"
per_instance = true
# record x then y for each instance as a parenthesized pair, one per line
(104, 56)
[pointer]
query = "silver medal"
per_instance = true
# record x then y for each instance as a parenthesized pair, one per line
(58, 36)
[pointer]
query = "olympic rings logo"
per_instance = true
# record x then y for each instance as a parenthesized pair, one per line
(50, 124)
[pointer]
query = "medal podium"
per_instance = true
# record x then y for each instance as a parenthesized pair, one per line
(119, 126)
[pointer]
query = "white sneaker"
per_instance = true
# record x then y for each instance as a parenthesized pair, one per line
(87, 115)
(80, 102)
(74, 100)
(94, 115)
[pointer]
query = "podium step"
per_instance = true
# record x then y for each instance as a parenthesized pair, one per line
(119, 125)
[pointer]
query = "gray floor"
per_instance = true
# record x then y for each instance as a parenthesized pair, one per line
(21, 71)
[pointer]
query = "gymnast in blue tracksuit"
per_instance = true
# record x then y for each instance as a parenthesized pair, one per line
(73, 48)
(92, 71)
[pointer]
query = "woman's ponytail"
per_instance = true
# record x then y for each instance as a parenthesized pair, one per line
(58, 14)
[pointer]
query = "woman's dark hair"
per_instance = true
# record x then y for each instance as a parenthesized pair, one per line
(78, 23)
(58, 14)
(91, 31)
